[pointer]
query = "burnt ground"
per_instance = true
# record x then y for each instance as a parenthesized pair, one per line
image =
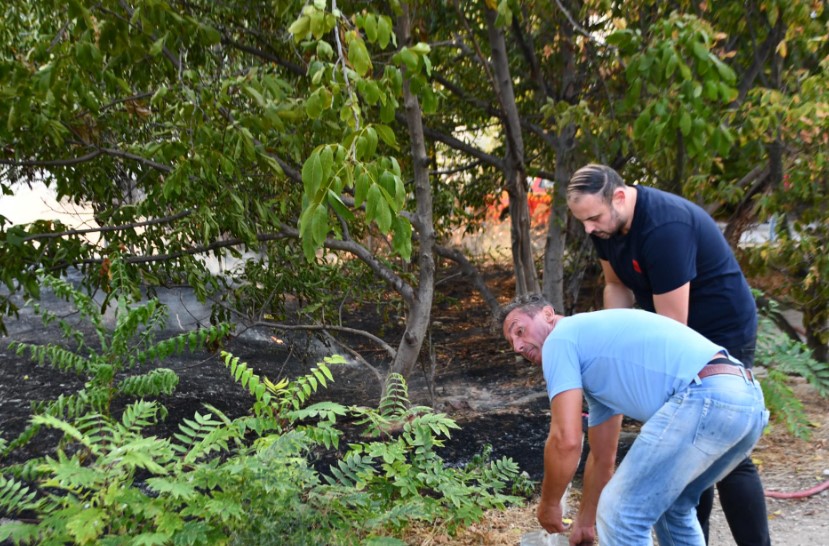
(495, 397)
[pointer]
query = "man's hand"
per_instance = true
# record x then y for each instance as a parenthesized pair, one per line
(549, 516)
(582, 535)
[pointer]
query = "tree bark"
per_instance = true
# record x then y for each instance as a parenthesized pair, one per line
(419, 306)
(526, 277)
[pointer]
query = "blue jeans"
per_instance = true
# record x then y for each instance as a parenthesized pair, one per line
(697, 437)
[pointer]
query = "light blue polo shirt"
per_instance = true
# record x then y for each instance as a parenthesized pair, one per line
(627, 361)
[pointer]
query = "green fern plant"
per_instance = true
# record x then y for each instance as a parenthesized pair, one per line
(249, 480)
(105, 358)
(401, 476)
(784, 357)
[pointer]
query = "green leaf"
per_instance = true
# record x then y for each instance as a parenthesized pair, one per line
(374, 199)
(87, 525)
(158, 46)
(685, 123)
(699, 50)
(358, 56)
(361, 186)
(211, 35)
(370, 26)
(384, 33)
(641, 125)
(402, 239)
(386, 135)
(312, 175)
(319, 225)
(725, 71)
(299, 28)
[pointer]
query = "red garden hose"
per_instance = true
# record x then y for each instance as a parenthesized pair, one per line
(799, 494)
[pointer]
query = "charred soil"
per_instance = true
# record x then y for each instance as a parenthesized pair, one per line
(496, 398)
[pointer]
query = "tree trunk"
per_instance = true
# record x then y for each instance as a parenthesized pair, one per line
(556, 240)
(526, 277)
(419, 306)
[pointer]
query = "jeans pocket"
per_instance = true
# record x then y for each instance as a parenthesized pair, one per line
(721, 426)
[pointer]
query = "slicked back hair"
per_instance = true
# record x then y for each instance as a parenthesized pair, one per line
(531, 304)
(594, 179)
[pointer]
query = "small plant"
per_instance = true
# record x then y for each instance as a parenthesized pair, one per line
(249, 480)
(784, 356)
(105, 358)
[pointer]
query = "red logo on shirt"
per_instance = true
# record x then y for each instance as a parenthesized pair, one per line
(636, 267)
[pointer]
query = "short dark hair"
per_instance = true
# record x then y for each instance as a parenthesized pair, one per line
(595, 179)
(531, 304)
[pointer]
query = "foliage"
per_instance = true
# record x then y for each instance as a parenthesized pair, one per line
(109, 359)
(210, 484)
(784, 357)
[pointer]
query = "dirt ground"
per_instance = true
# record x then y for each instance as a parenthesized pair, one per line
(496, 398)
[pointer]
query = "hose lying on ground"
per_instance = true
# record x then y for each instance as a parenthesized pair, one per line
(799, 494)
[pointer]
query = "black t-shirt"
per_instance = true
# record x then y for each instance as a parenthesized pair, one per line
(672, 241)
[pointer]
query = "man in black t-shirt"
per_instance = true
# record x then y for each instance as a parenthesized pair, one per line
(667, 255)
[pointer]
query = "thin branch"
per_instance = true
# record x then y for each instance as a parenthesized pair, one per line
(324, 327)
(459, 145)
(133, 98)
(359, 358)
(71, 232)
(53, 162)
(295, 68)
(459, 169)
(575, 25)
(470, 271)
(138, 159)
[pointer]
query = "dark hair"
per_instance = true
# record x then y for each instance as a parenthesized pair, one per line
(531, 304)
(594, 179)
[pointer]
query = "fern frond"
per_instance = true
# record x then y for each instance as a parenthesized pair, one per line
(140, 414)
(395, 401)
(243, 375)
(85, 305)
(15, 496)
(784, 406)
(68, 430)
(201, 436)
(54, 356)
(161, 381)
(353, 471)
(300, 389)
(191, 341)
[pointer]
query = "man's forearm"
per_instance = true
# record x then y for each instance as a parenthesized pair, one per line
(596, 476)
(617, 296)
(560, 464)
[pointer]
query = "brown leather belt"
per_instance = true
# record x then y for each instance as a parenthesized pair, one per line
(719, 366)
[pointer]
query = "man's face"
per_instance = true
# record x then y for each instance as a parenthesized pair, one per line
(526, 334)
(599, 217)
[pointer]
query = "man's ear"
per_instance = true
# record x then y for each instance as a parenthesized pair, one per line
(549, 313)
(619, 196)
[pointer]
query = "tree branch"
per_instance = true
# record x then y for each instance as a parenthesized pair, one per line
(53, 162)
(472, 272)
(155, 221)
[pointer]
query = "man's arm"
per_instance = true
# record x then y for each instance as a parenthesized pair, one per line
(616, 294)
(674, 304)
(561, 457)
(599, 467)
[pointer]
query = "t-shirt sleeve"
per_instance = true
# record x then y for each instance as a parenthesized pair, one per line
(597, 413)
(671, 254)
(560, 364)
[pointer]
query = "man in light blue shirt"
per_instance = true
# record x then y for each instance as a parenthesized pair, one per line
(702, 414)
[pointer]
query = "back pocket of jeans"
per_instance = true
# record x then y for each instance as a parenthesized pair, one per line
(721, 426)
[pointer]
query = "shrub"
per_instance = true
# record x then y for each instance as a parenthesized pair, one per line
(250, 480)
